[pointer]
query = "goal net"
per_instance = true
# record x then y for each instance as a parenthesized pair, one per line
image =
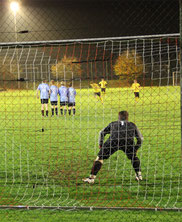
(44, 159)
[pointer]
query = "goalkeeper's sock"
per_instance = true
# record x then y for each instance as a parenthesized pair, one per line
(69, 111)
(74, 111)
(136, 164)
(65, 111)
(52, 111)
(96, 167)
(56, 110)
(46, 112)
(61, 110)
(42, 112)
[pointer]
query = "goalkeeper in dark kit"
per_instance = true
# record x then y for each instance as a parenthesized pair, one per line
(122, 137)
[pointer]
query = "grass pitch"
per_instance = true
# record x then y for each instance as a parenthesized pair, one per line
(81, 216)
(45, 167)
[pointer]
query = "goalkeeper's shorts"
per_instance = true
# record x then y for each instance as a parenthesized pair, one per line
(106, 151)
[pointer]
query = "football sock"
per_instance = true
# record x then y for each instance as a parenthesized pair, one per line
(42, 112)
(65, 111)
(61, 110)
(56, 110)
(136, 164)
(52, 111)
(69, 111)
(74, 111)
(96, 167)
(46, 112)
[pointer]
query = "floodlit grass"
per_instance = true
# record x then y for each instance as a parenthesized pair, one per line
(71, 216)
(46, 168)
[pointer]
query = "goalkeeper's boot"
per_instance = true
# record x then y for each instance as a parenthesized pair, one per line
(138, 176)
(89, 180)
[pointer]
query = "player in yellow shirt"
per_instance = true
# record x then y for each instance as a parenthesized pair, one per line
(96, 89)
(136, 88)
(103, 84)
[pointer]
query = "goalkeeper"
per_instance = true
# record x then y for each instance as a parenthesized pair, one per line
(122, 135)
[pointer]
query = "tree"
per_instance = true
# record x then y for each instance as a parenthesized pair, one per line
(67, 68)
(128, 65)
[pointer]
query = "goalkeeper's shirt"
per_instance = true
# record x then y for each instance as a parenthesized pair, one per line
(95, 87)
(122, 133)
(103, 84)
(136, 87)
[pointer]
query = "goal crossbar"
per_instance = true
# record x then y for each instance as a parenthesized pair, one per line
(87, 40)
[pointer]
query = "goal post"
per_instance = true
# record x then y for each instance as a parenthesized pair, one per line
(180, 29)
(44, 159)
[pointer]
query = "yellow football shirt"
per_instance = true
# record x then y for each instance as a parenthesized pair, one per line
(136, 87)
(103, 84)
(95, 87)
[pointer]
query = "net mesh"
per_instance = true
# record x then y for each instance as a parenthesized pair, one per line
(43, 160)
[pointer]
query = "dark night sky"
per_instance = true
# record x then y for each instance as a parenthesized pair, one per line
(68, 19)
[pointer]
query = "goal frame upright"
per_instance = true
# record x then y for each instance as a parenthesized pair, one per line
(180, 29)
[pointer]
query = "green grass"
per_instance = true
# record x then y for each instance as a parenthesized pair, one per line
(45, 168)
(71, 216)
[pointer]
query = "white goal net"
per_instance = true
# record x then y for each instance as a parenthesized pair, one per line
(44, 159)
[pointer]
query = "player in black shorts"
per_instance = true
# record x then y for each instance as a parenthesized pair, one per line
(63, 92)
(54, 98)
(97, 94)
(103, 84)
(71, 99)
(96, 89)
(122, 135)
(43, 88)
(136, 88)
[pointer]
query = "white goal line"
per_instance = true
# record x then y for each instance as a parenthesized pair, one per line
(22, 207)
